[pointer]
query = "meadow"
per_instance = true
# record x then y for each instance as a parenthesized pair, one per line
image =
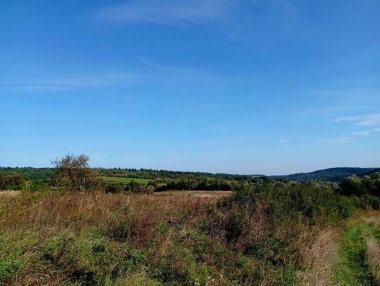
(186, 238)
(263, 232)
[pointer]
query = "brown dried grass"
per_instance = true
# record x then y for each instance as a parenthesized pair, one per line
(51, 211)
(318, 258)
(373, 252)
(9, 193)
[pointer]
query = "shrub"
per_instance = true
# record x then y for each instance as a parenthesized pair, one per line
(37, 186)
(74, 174)
(149, 189)
(134, 187)
(271, 249)
(114, 188)
(351, 186)
(11, 182)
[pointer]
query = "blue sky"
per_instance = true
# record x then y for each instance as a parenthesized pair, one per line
(237, 86)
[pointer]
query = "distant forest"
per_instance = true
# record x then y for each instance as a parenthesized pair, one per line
(332, 174)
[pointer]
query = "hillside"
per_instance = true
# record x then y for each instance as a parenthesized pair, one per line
(331, 174)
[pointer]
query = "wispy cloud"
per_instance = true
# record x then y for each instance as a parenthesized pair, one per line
(73, 81)
(148, 73)
(367, 132)
(365, 120)
(167, 12)
(336, 140)
(283, 140)
(371, 119)
(168, 74)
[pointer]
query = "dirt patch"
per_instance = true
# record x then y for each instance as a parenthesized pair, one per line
(9, 193)
(319, 259)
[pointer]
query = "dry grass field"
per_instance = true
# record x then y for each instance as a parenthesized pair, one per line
(179, 238)
(9, 193)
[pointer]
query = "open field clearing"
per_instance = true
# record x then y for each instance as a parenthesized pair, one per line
(125, 180)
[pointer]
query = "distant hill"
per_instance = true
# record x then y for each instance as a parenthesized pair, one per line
(331, 174)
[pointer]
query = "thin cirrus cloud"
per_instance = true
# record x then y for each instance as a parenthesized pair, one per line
(167, 12)
(336, 140)
(364, 120)
(367, 132)
(76, 81)
(372, 119)
(148, 74)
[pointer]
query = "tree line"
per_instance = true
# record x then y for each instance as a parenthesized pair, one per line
(73, 173)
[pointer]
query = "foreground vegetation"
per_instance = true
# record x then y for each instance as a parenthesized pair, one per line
(76, 230)
(256, 236)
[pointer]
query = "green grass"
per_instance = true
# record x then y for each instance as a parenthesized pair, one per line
(125, 180)
(353, 267)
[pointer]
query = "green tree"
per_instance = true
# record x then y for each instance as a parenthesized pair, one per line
(352, 186)
(73, 173)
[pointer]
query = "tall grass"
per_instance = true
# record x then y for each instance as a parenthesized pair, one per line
(254, 237)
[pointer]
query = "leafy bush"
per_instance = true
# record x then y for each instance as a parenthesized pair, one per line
(11, 182)
(114, 188)
(352, 186)
(74, 174)
(363, 192)
(134, 187)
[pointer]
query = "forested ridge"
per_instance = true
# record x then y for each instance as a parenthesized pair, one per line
(331, 174)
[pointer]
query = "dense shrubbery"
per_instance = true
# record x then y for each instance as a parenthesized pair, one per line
(363, 192)
(132, 187)
(11, 182)
(305, 202)
(367, 185)
(206, 184)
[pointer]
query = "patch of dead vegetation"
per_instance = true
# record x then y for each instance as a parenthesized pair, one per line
(9, 193)
(319, 257)
(371, 217)
(373, 252)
